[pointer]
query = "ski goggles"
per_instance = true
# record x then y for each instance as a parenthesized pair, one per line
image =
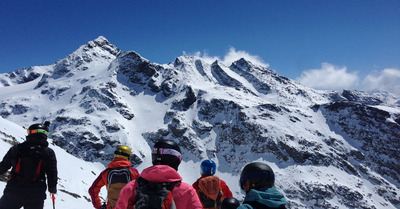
(121, 153)
(35, 131)
(166, 151)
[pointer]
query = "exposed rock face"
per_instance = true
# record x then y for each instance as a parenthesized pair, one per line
(99, 97)
(20, 76)
(376, 136)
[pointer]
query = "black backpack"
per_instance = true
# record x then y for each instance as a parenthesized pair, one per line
(28, 164)
(153, 195)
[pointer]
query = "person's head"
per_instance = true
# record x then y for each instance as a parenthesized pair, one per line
(208, 167)
(230, 203)
(123, 151)
(166, 152)
(39, 130)
(256, 175)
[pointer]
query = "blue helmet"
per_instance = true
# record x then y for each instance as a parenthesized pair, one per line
(208, 167)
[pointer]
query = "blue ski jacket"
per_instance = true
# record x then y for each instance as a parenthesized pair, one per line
(266, 197)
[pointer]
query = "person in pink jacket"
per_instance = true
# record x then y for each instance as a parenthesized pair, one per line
(166, 157)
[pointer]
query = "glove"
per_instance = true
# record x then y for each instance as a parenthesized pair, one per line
(104, 206)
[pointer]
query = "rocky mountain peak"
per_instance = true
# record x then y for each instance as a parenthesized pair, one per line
(104, 44)
(242, 63)
(99, 52)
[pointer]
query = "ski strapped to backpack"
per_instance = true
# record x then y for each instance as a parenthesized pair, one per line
(29, 163)
(210, 192)
(152, 195)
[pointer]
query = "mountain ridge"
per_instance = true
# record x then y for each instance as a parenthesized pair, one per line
(99, 96)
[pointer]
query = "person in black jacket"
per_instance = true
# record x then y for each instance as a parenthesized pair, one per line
(28, 189)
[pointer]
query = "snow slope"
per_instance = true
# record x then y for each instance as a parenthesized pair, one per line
(328, 149)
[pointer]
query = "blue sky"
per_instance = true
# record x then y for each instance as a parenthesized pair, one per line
(325, 44)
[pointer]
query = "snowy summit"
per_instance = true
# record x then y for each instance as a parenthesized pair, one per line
(328, 149)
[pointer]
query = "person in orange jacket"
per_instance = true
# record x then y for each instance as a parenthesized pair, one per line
(119, 172)
(207, 169)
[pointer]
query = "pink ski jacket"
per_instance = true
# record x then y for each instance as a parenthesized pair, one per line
(185, 196)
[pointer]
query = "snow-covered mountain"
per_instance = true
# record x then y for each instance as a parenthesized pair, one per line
(328, 149)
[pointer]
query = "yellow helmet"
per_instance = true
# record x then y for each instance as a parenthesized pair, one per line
(122, 152)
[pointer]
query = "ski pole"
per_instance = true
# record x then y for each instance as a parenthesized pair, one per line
(54, 200)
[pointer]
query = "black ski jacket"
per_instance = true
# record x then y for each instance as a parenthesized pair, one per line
(36, 189)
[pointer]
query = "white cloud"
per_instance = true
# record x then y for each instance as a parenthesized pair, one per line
(234, 55)
(386, 80)
(204, 56)
(231, 56)
(329, 77)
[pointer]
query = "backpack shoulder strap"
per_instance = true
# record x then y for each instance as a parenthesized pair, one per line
(28, 151)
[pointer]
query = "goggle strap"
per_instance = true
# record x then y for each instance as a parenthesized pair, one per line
(121, 153)
(166, 151)
(34, 131)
